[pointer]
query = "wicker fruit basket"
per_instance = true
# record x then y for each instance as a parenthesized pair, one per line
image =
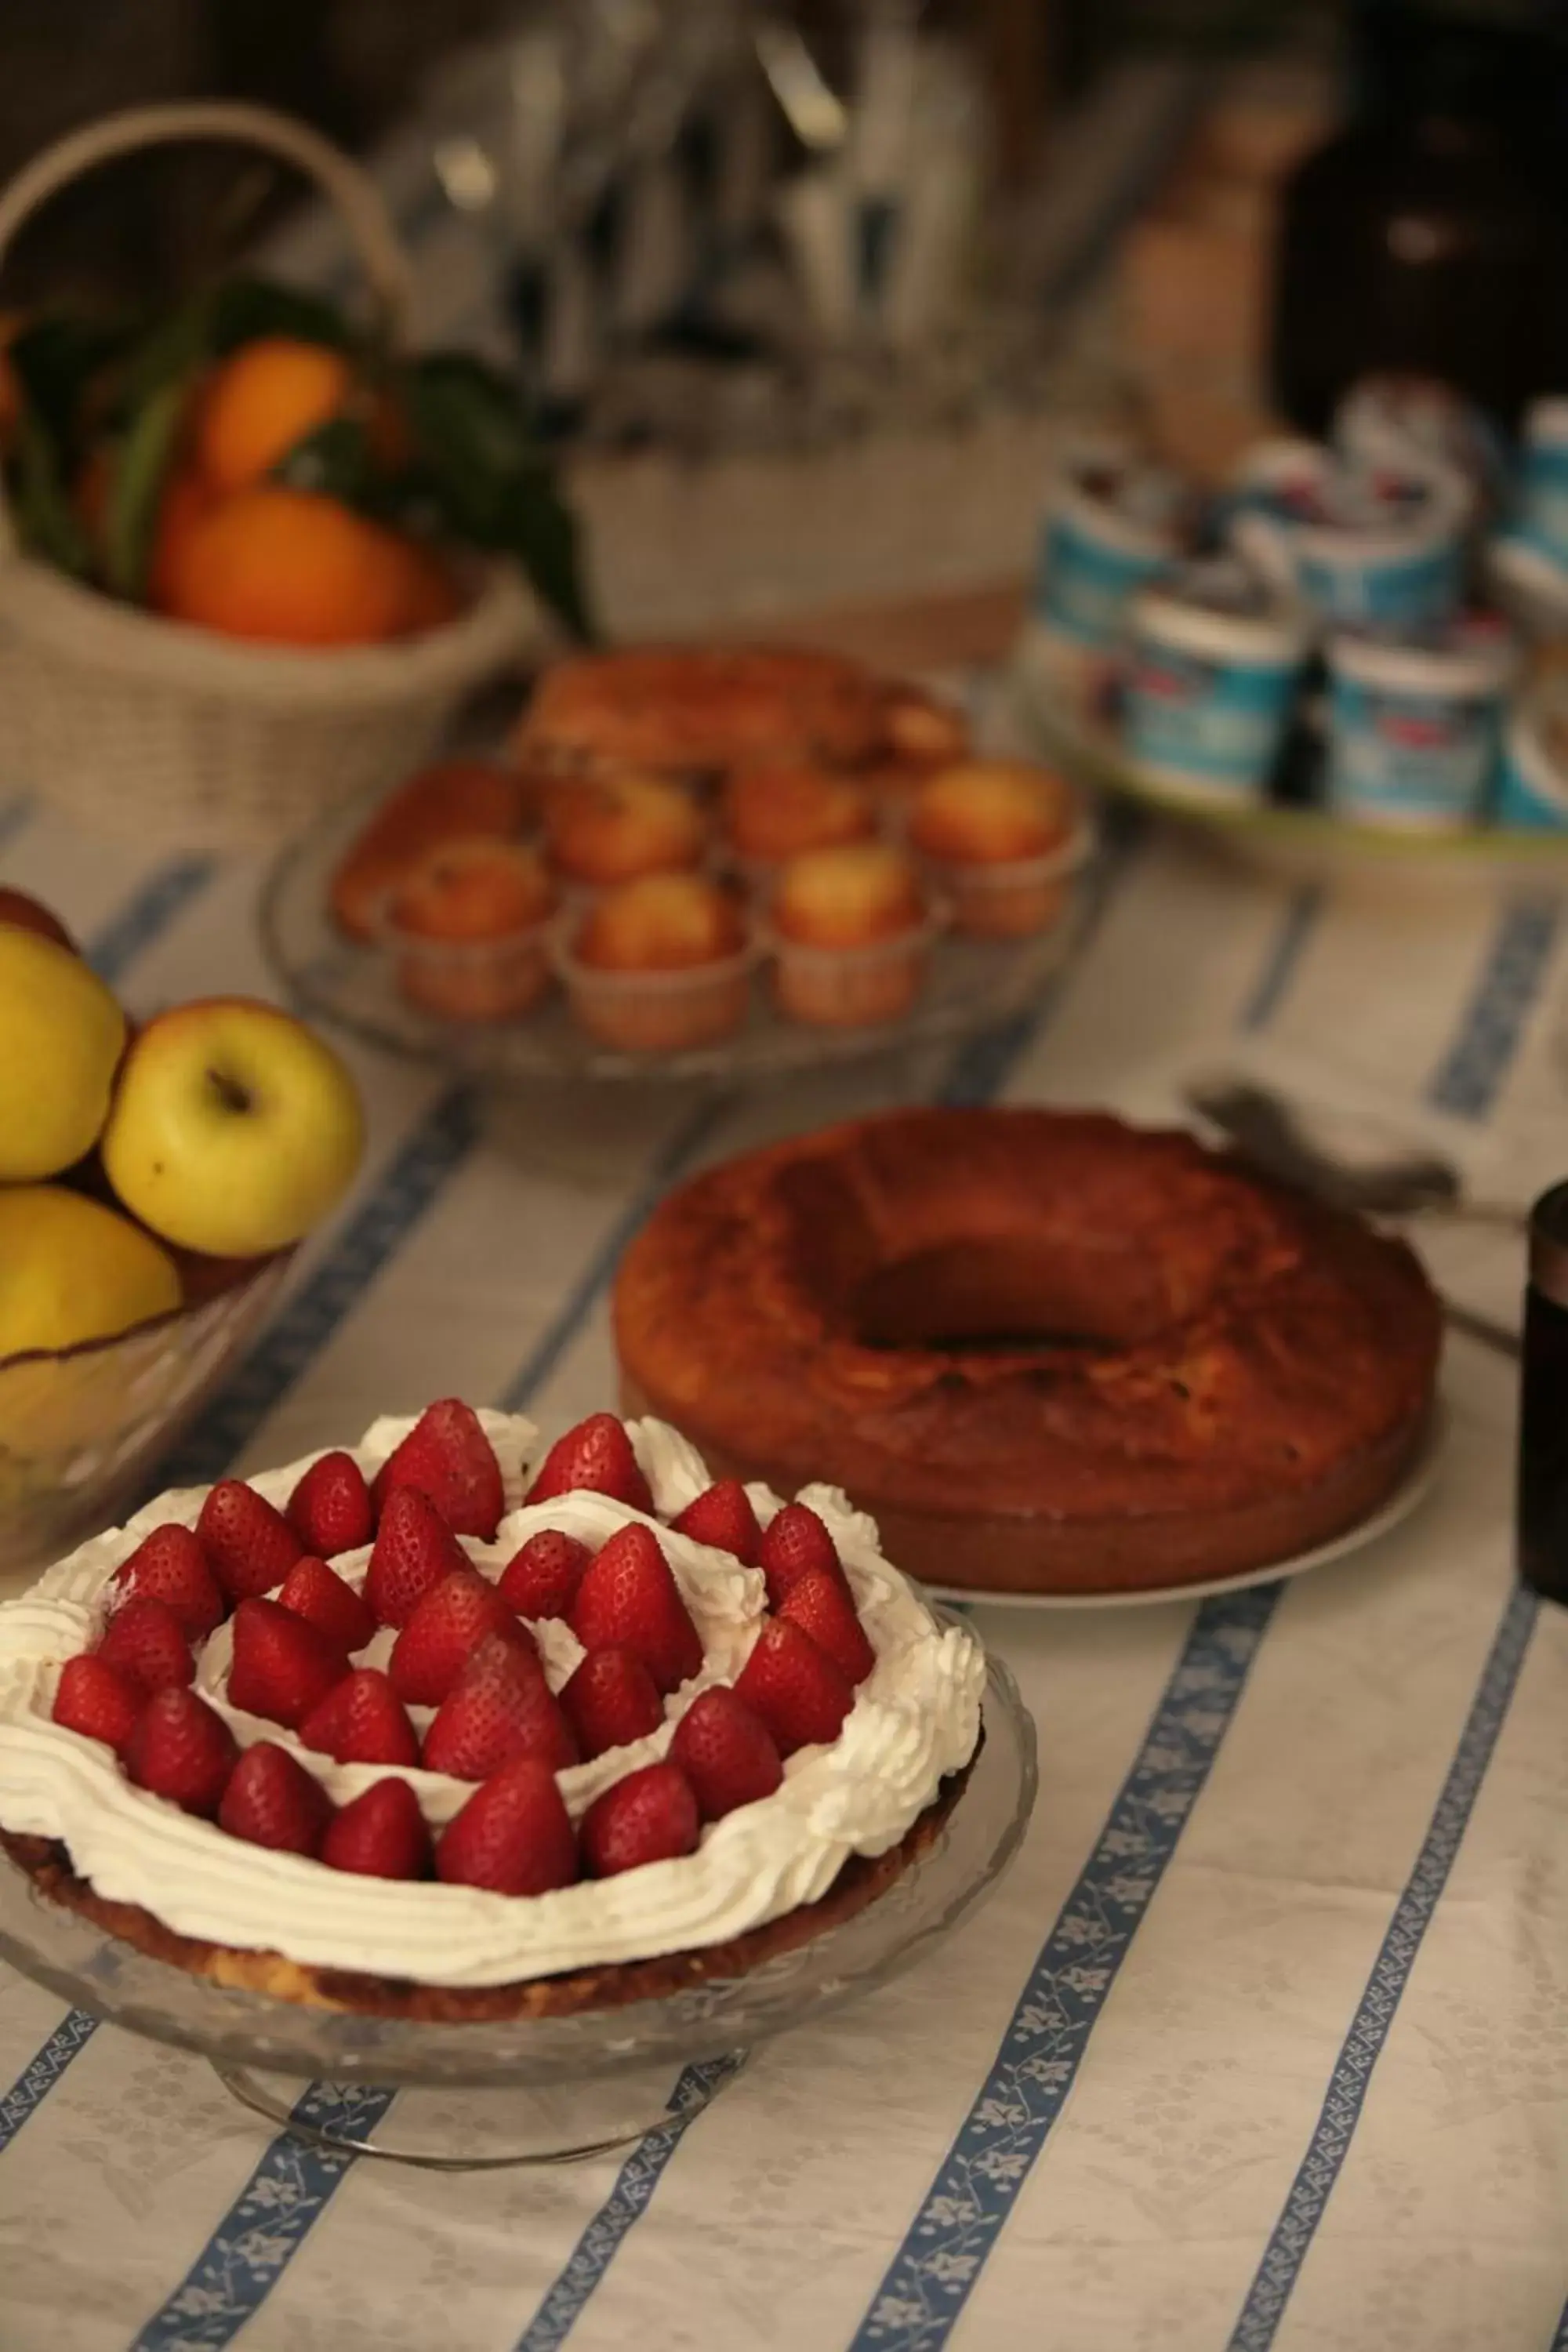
(134, 724)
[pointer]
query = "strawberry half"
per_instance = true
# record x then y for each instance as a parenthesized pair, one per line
(597, 1454)
(272, 1800)
(415, 1548)
(611, 1700)
(361, 1721)
(796, 1542)
(251, 1546)
(727, 1752)
(541, 1579)
(170, 1565)
(281, 1664)
(800, 1694)
(380, 1833)
(650, 1816)
(821, 1606)
(182, 1748)
(512, 1836)
(319, 1594)
(443, 1634)
(146, 1642)
(628, 1599)
(448, 1457)
(723, 1515)
(500, 1707)
(96, 1699)
(330, 1509)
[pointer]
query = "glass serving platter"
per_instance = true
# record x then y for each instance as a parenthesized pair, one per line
(536, 2090)
(971, 985)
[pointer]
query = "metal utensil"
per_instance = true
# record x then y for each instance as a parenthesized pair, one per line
(1266, 1131)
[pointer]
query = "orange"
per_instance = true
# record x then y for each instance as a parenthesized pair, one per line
(288, 567)
(262, 400)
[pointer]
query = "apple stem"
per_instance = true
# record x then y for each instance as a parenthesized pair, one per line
(229, 1092)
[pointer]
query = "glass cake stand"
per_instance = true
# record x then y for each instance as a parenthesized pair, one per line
(536, 2090)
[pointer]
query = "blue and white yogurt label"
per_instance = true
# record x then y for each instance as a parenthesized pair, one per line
(1084, 583)
(1217, 723)
(1404, 757)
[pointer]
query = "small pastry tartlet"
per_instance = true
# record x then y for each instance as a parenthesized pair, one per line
(451, 800)
(921, 734)
(1000, 837)
(606, 830)
(660, 965)
(851, 931)
(468, 926)
(778, 811)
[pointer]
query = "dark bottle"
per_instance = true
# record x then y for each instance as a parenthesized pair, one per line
(1544, 1403)
(1430, 235)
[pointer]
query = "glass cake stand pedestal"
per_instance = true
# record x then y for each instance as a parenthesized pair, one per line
(536, 2090)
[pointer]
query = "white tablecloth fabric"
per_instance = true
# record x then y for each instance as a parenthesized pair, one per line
(1264, 2039)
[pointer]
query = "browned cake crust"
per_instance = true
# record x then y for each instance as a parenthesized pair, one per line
(1158, 1367)
(860, 1883)
(703, 708)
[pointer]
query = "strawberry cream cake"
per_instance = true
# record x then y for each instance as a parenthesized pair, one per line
(426, 1730)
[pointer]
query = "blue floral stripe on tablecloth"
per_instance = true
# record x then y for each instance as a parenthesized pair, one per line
(1291, 2238)
(38, 2078)
(638, 2177)
(1469, 1077)
(265, 2227)
(925, 2288)
(1283, 961)
(148, 914)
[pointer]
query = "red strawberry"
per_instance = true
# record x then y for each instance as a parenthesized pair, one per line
(650, 1816)
(281, 1664)
(415, 1548)
(723, 1515)
(800, 1694)
(448, 1456)
(330, 1509)
(597, 1454)
(360, 1721)
(170, 1565)
(146, 1641)
(251, 1546)
(541, 1579)
(97, 1699)
(727, 1753)
(610, 1700)
(443, 1634)
(272, 1800)
(821, 1606)
(380, 1833)
(628, 1599)
(182, 1748)
(320, 1595)
(793, 1543)
(499, 1707)
(514, 1834)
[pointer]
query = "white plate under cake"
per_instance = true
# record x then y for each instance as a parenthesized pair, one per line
(427, 1729)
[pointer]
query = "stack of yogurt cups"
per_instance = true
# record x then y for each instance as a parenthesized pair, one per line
(1325, 591)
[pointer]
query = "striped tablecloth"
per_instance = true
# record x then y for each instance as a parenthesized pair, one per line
(1263, 2041)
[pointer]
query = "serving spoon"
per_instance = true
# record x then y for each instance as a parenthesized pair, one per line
(1267, 1129)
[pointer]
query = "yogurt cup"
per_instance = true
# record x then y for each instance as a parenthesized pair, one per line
(1540, 517)
(1529, 584)
(1532, 784)
(1373, 546)
(1112, 522)
(1413, 725)
(1213, 659)
(1398, 422)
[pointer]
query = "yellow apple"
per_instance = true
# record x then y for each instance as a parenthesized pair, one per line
(71, 1269)
(232, 1128)
(61, 1036)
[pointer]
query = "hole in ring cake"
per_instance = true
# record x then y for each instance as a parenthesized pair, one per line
(433, 1728)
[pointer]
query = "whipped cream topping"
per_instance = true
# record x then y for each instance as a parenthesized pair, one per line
(916, 1718)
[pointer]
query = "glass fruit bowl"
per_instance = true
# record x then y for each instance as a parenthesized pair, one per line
(535, 2090)
(80, 1427)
